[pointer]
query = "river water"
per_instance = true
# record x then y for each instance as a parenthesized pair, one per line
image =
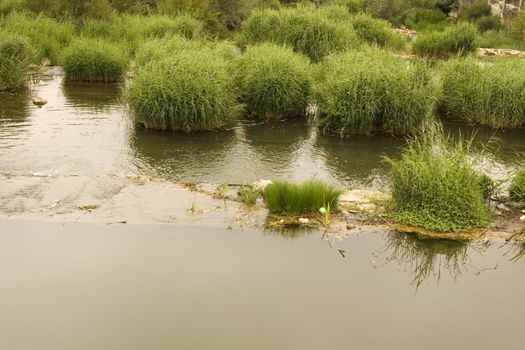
(93, 286)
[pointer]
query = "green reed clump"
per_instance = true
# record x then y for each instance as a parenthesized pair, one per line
(363, 92)
(94, 60)
(190, 91)
(159, 48)
(456, 40)
(377, 32)
(517, 187)
(435, 186)
(491, 94)
(47, 35)
(274, 81)
(295, 199)
(305, 29)
(132, 30)
(249, 195)
(15, 56)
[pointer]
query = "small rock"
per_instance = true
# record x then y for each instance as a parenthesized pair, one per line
(350, 226)
(502, 206)
(261, 184)
(522, 218)
(38, 101)
(303, 220)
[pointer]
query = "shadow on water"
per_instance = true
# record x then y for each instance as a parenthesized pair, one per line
(14, 107)
(359, 161)
(181, 156)
(290, 231)
(427, 259)
(92, 97)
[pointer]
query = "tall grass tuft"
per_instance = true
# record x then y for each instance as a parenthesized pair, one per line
(363, 92)
(486, 94)
(295, 199)
(274, 81)
(305, 29)
(456, 40)
(15, 56)
(190, 91)
(517, 187)
(377, 32)
(435, 186)
(47, 36)
(157, 48)
(131, 30)
(94, 60)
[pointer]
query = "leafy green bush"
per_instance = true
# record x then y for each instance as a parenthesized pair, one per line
(475, 10)
(190, 91)
(372, 90)
(8, 6)
(94, 60)
(517, 27)
(274, 81)
(71, 8)
(15, 56)
(489, 94)
(499, 39)
(376, 31)
(434, 186)
(352, 6)
(457, 40)
(130, 30)
(517, 187)
(295, 199)
(47, 36)
(422, 19)
(487, 23)
(304, 29)
(159, 48)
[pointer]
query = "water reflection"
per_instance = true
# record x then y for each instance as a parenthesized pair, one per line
(426, 259)
(359, 161)
(291, 231)
(183, 156)
(91, 97)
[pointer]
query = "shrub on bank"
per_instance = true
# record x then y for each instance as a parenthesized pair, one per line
(426, 19)
(94, 60)
(15, 56)
(158, 48)
(456, 40)
(190, 91)
(377, 32)
(295, 199)
(434, 186)
(362, 92)
(46, 35)
(274, 81)
(304, 29)
(517, 187)
(486, 94)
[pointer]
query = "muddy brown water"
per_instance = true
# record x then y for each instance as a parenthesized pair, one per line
(94, 286)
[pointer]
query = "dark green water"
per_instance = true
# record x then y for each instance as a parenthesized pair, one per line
(84, 129)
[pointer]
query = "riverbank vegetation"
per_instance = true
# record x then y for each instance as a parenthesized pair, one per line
(308, 197)
(435, 185)
(459, 40)
(371, 90)
(274, 82)
(489, 94)
(15, 56)
(94, 60)
(517, 187)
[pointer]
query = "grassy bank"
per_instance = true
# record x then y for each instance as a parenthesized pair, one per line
(456, 40)
(15, 55)
(517, 187)
(369, 91)
(491, 94)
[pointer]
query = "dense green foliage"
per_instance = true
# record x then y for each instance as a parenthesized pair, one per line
(304, 29)
(94, 60)
(474, 10)
(157, 48)
(490, 94)
(274, 81)
(131, 31)
(377, 32)
(47, 36)
(434, 186)
(517, 187)
(457, 40)
(373, 90)
(517, 27)
(190, 91)
(295, 199)
(15, 55)
(425, 19)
